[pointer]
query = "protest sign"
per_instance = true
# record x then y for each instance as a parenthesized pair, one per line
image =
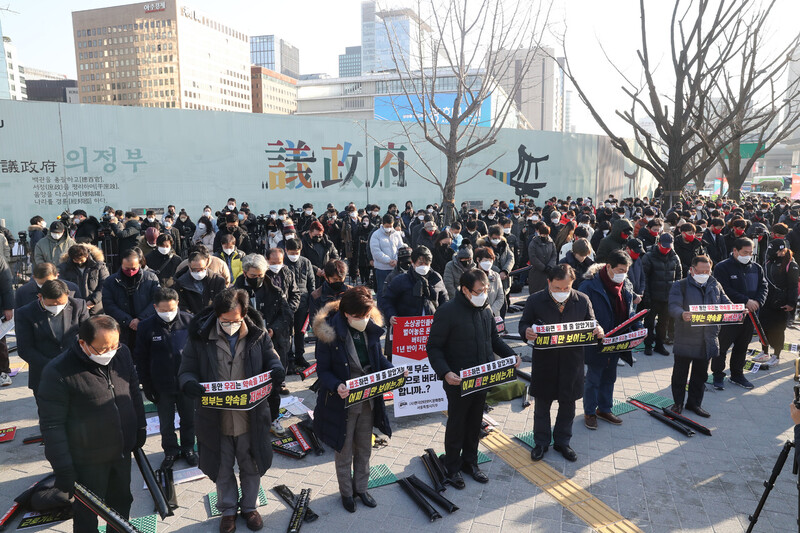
(237, 395)
(422, 391)
(623, 343)
(487, 375)
(715, 315)
(564, 335)
(368, 386)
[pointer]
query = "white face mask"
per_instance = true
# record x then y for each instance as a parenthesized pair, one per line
(276, 268)
(420, 217)
(479, 300)
(560, 297)
(495, 241)
(486, 265)
(309, 211)
(293, 258)
(201, 227)
(534, 218)
(354, 215)
(648, 218)
(388, 231)
(231, 207)
(103, 359)
(289, 236)
(422, 270)
(163, 250)
(169, 316)
(281, 217)
(358, 324)
(199, 275)
(167, 224)
(506, 231)
(231, 329)
(228, 251)
(151, 219)
(744, 259)
(55, 309)
(273, 216)
(430, 210)
(701, 278)
(207, 213)
(619, 278)
(584, 225)
(56, 236)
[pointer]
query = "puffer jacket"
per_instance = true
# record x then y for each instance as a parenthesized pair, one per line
(687, 251)
(90, 282)
(689, 340)
(49, 250)
(543, 257)
(384, 248)
(660, 271)
(399, 298)
(452, 276)
(333, 354)
(503, 258)
(614, 240)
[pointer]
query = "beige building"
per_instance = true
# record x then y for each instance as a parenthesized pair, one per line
(160, 54)
(273, 92)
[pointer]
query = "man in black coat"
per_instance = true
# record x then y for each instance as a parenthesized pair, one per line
(198, 286)
(558, 372)
(661, 267)
(318, 248)
(84, 265)
(714, 241)
(164, 260)
(228, 342)
(160, 340)
(86, 227)
(47, 327)
(129, 235)
(304, 279)
(29, 292)
(280, 328)
(464, 335)
(231, 227)
(128, 294)
(91, 416)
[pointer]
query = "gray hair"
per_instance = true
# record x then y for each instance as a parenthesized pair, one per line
(256, 261)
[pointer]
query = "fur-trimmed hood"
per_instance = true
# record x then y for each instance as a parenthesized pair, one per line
(325, 330)
(594, 270)
(94, 252)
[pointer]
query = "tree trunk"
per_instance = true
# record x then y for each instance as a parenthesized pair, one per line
(734, 174)
(449, 191)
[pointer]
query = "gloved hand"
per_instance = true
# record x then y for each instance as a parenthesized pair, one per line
(150, 394)
(193, 389)
(141, 437)
(65, 480)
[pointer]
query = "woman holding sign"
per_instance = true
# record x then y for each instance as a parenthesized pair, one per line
(557, 373)
(349, 346)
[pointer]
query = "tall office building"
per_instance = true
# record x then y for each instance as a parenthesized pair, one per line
(14, 71)
(273, 92)
(367, 36)
(5, 89)
(275, 54)
(161, 54)
(39, 74)
(539, 92)
(390, 39)
(350, 62)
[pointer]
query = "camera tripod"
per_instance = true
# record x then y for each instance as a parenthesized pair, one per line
(770, 483)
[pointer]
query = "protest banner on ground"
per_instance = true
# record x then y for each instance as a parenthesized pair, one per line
(422, 391)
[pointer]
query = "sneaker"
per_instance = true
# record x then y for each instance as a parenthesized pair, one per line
(719, 383)
(5, 380)
(621, 363)
(763, 357)
(277, 429)
(742, 382)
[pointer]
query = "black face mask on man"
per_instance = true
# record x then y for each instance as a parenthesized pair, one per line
(254, 283)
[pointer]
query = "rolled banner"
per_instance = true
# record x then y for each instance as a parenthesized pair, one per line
(299, 512)
(99, 507)
(437, 483)
(288, 496)
(21, 502)
(419, 499)
(437, 464)
(624, 342)
(152, 484)
(306, 426)
(428, 491)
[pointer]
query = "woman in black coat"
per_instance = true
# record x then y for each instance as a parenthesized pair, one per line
(557, 372)
(348, 346)
(781, 272)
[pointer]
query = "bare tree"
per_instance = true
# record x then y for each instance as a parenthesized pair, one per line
(706, 37)
(464, 55)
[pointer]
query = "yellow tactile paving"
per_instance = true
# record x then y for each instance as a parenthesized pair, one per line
(574, 498)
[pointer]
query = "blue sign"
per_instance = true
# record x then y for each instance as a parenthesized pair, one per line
(402, 108)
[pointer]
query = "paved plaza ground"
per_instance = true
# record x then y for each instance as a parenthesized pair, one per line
(652, 475)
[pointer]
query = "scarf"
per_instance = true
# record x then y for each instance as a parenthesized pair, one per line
(422, 290)
(614, 292)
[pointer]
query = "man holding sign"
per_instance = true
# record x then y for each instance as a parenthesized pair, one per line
(464, 335)
(229, 343)
(557, 364)
(694, 346)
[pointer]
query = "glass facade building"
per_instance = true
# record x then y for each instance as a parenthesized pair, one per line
(273, 53)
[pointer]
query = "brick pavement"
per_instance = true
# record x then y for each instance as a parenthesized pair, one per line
(651, 474)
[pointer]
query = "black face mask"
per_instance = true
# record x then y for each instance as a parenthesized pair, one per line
(337, 285)
(254, 283)
(465, 264)
(405, 264)
(318, 238)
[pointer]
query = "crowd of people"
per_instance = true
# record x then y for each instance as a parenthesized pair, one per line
(160, 304)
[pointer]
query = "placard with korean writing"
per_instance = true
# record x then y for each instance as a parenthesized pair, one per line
(715, 315)
(237, 395)
(623, 343)
(375, 384)
(422, 391)
(487, 375)
(564, 334)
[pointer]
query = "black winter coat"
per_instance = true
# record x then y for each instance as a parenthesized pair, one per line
(191, 299)
(199, 363)
(88, 413)
(557, 372)
(86, 231)
(333, 369)
(276, 311)
(579, 268)
(715, 246)
(742, 282)
(36, 342)
(129, 235)
(660, 271)
(29, 292)
(90, 283)
(463, 336)
(157, 355)
(781, 284)
(322, 297)
(117, 304)
(399, 298)
(319, 253)
(687, 251)
(164, 266)
(688, 339)
(242, 239)
(304, 278)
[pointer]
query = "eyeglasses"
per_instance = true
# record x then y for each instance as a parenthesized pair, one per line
(97, 352)
(231, 323)
(484, 291)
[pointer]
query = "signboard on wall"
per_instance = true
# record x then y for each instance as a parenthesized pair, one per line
(74, 156)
